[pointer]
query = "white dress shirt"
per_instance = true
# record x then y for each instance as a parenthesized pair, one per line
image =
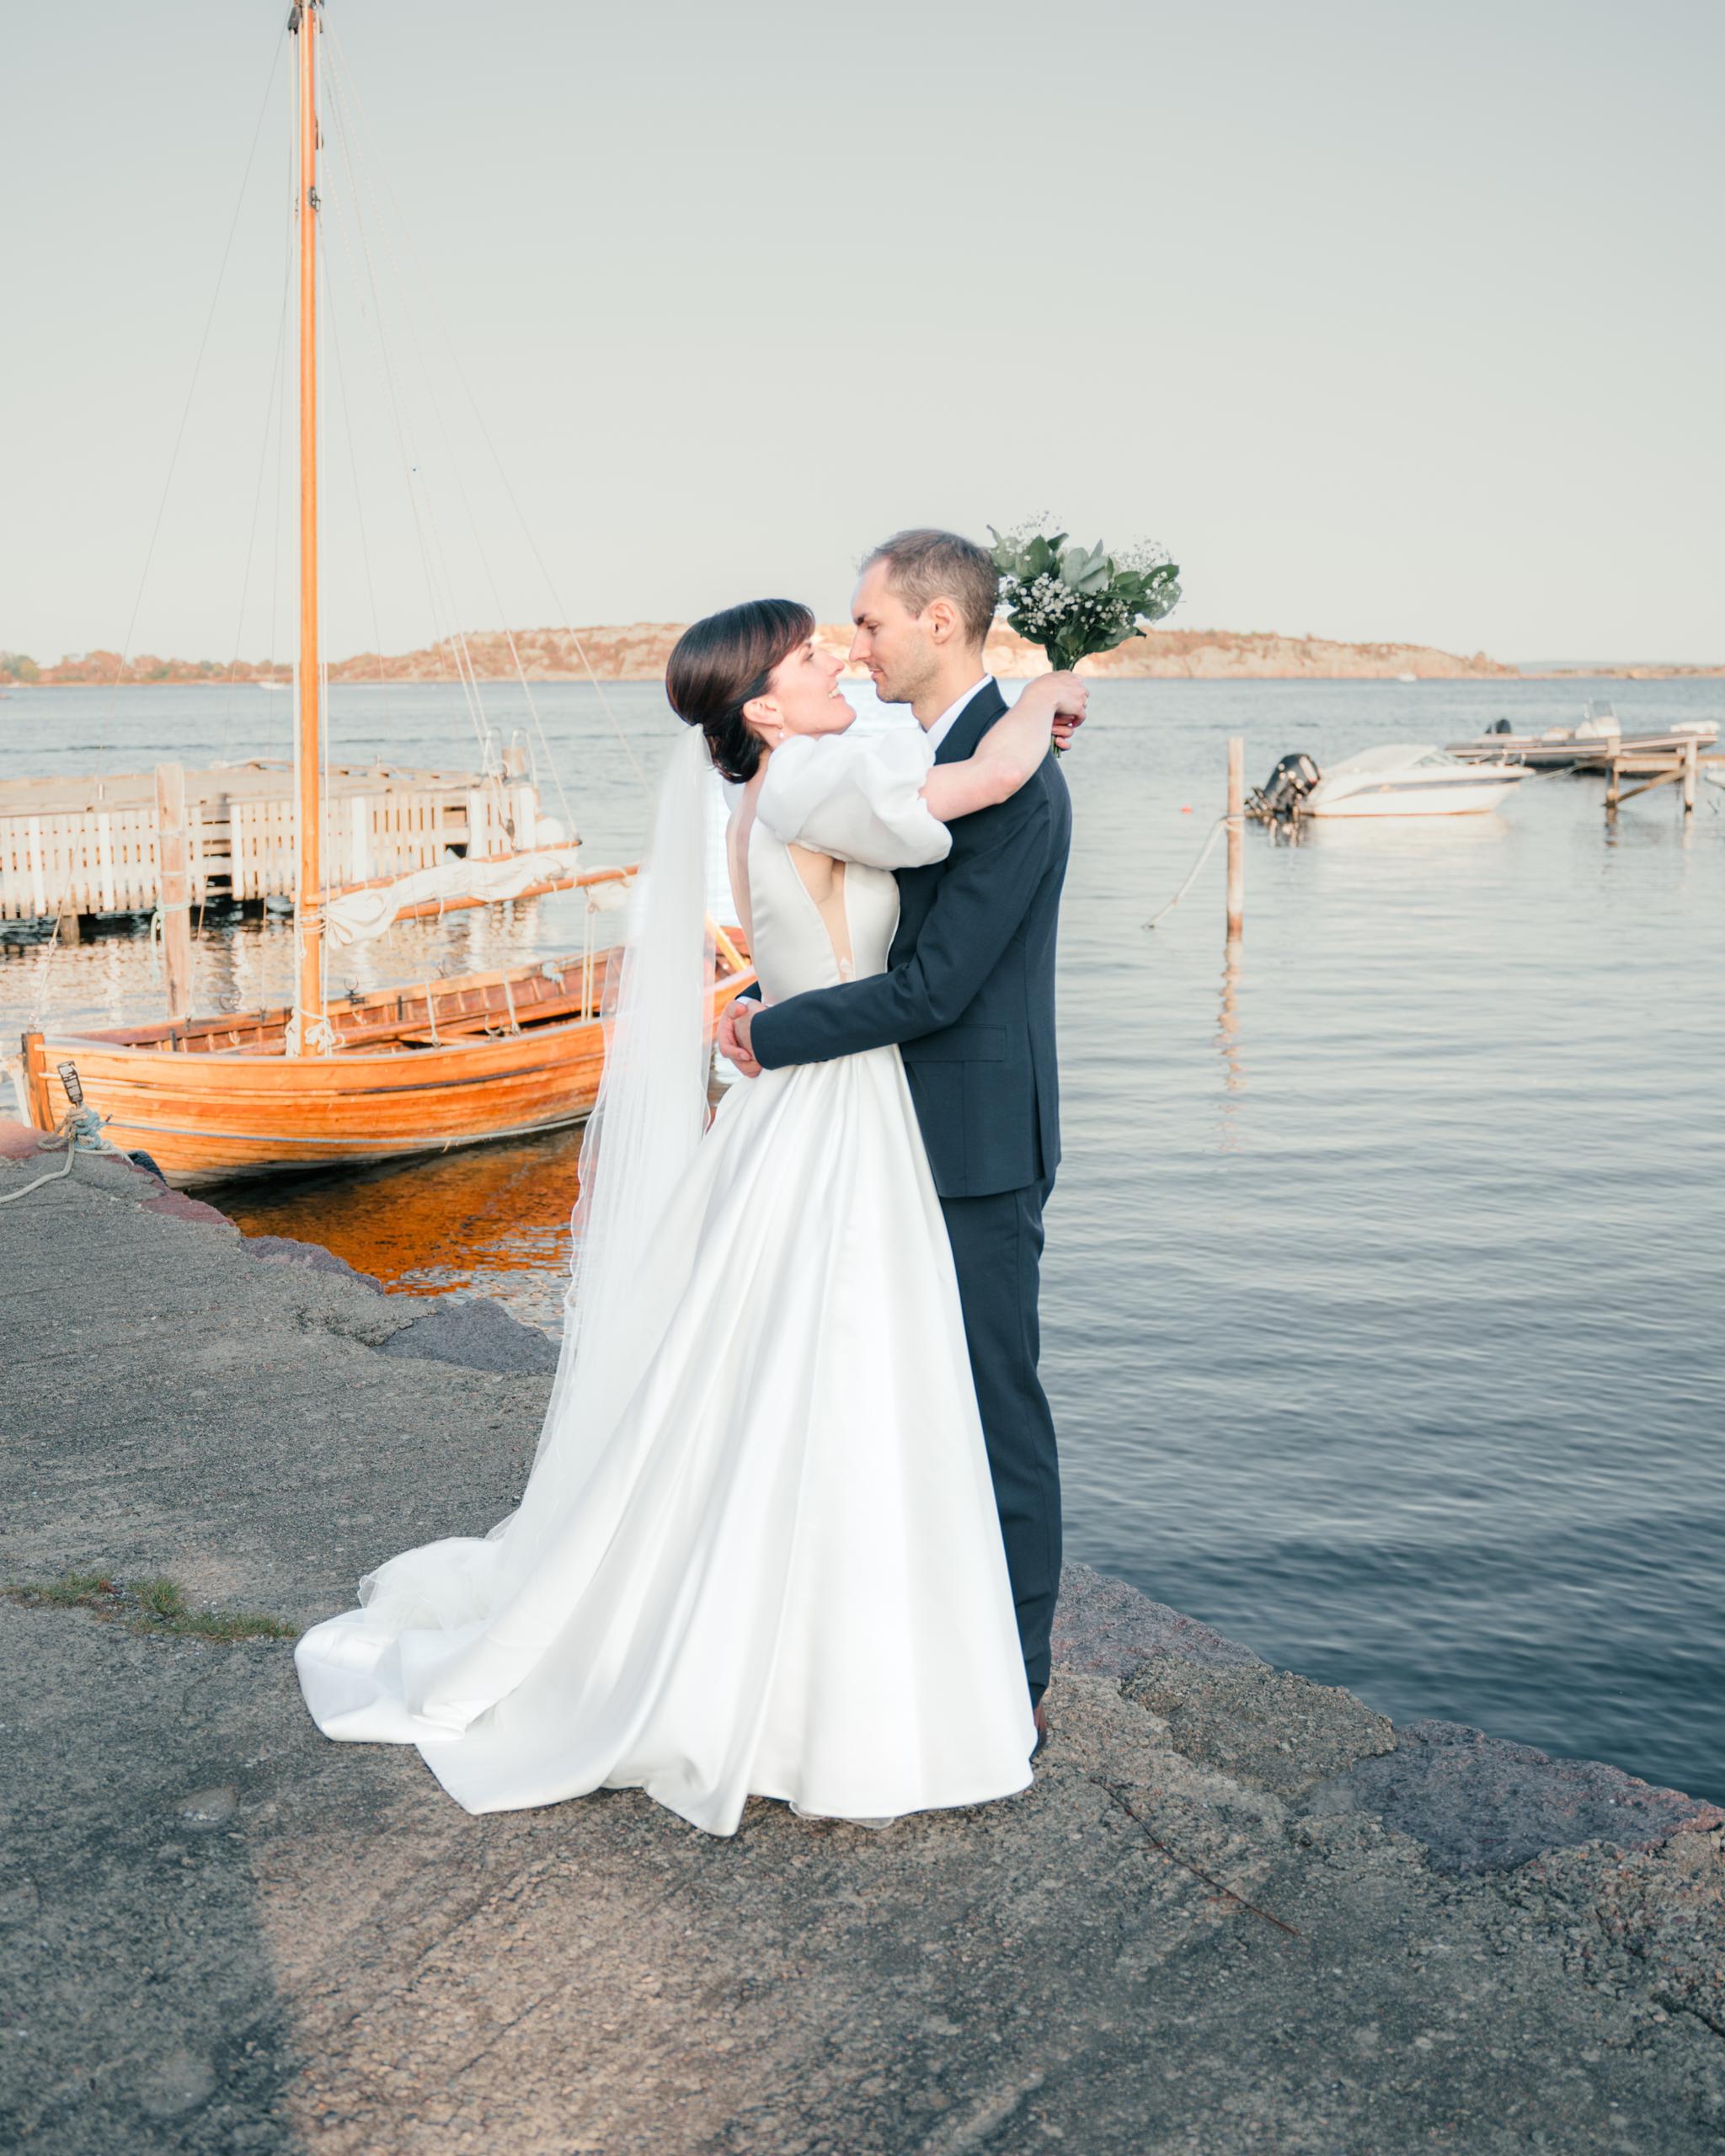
(954, 712)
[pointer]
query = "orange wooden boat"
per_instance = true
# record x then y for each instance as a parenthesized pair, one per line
(418, 1070)
(316, 1084)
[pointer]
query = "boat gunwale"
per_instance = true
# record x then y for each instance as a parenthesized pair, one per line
(344, 1059)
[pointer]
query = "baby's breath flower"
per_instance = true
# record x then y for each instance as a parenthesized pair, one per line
(1072, 602)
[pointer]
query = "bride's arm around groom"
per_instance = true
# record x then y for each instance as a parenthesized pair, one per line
(969, 983)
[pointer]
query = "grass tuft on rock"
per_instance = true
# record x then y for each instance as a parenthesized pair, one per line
(153, 1605)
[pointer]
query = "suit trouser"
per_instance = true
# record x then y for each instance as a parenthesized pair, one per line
(997, 1253)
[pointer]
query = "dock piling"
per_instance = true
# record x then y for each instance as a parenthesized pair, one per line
(1680, 766)
(1237, 837)
(173, 875)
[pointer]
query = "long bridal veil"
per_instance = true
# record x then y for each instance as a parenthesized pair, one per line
(465, 1612)
(650, 1117)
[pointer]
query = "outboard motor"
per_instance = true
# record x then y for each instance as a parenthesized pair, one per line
(1503, 726)
(1287, 787)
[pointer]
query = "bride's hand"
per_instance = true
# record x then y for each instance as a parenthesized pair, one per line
(1017, 742)
(1071, 699)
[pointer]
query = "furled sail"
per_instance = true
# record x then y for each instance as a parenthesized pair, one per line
(356, 916)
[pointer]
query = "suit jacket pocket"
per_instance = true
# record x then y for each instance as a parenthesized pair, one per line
(958, 1044)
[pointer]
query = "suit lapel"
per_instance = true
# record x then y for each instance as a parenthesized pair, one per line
(983, 708)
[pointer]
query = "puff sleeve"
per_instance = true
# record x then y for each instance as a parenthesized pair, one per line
(858, 798)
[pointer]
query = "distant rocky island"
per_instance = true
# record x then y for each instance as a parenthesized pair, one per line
(637, 651)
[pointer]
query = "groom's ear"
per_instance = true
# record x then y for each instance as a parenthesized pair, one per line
(945, 622)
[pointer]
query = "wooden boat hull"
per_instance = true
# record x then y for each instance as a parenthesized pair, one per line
(208, 1114)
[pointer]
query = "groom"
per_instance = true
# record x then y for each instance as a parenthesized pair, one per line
(969, 997)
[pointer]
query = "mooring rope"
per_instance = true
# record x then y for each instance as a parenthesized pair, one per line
(1216, 829)
(79, 1129)
(8, 1196)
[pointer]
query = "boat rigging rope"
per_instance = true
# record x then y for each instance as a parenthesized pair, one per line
(339, 71)
(353, 462)
(281, 424)
(192, 387)
(1216, 830)
(453, 638)
(274, 402)
(347, 136)
(418, 499)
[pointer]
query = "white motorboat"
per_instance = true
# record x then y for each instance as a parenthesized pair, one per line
(1409, 781)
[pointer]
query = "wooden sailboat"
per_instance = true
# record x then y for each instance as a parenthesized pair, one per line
(454, 1061)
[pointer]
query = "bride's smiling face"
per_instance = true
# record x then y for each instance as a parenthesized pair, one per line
(802, 696)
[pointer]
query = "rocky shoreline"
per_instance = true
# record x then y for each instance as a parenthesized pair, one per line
(1238, 1910)
(637, 651)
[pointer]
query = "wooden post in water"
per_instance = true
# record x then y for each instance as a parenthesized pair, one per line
(1692, 761)
(1236, 838)
(173, 888)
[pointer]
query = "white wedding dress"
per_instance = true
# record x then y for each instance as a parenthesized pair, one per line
(772, 1565)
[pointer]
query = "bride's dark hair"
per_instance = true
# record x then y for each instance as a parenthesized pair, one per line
(725, 662)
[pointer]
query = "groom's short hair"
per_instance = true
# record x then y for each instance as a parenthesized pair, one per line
(924, 564)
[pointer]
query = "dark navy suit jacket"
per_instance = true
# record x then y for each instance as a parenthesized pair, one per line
(968, 992)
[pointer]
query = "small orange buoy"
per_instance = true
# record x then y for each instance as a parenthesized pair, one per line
(1185, 807)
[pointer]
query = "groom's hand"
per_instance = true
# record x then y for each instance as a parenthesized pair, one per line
(734, 1023)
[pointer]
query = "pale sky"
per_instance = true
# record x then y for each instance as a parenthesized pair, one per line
(1390, 321)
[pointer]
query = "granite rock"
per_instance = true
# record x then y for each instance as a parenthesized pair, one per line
(288, 1250)
(476, 1332)
(1481, 1803)
(1106, 1628)
(1267, 1727)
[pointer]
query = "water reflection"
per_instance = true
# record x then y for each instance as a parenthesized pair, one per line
(487, 1219)
(1227, 1040)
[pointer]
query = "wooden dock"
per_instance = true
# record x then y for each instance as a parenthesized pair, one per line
(73, 848)
(1681, 767)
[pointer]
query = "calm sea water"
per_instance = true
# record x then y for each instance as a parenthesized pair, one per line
(1383, 1293)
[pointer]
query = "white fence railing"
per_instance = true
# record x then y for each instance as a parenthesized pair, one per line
(88, 846)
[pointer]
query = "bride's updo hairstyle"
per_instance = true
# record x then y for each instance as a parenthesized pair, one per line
(725, 662)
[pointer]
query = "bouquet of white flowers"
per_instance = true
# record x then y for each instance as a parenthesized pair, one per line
(1073, 603)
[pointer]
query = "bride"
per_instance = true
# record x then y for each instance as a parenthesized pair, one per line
(759, 1552)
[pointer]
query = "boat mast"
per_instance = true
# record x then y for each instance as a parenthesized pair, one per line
(308, 1024)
